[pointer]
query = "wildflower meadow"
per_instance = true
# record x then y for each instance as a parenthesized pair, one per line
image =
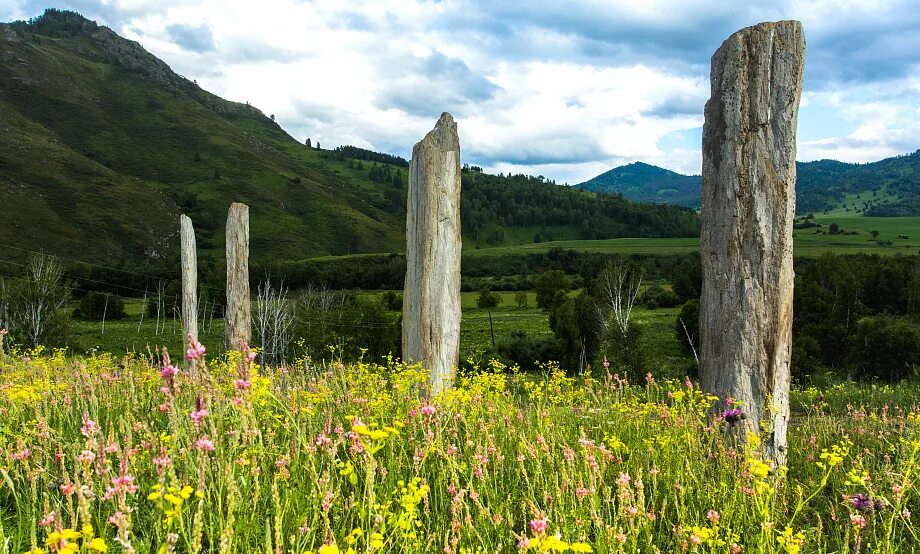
(106, 454)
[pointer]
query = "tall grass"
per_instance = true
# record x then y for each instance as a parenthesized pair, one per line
(119, 455)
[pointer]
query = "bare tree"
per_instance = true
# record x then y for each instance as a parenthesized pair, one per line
(43, 292)
(274, 322)
(619, 287)
(143, 311)
(161, 305)
(5, 290)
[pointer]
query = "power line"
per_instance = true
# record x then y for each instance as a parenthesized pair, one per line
(91, 264)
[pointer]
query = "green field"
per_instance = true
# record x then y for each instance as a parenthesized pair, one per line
(808, 242)
(663, 352)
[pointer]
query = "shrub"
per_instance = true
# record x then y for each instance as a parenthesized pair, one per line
(657, 296)
(392, 300)
(351, 327)
(520, 297)
(488, 300)
(525, 351)
(552, 288)
(690, 318)
(96, 306)
(687, 279)
(578, 330)
(887, 348)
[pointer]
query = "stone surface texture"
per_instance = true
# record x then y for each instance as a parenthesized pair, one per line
(748, 206)
(239, 313)
(431, 310)
(189, 262)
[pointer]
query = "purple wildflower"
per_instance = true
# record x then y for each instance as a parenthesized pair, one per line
(733, 415)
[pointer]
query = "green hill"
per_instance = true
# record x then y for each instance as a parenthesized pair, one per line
(889, 187)
(103, 145)
(642, 182)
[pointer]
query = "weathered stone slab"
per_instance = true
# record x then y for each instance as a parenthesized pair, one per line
(239, 315)
(748, 206)
(189, 262)
(431, 303)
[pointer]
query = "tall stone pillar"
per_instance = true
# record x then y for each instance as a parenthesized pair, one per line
(748, 206)
(238, 317)
(189, 262)
(431, 303)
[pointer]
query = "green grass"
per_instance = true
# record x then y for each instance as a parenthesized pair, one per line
(356, 455)
(663, 352)
(807, 242)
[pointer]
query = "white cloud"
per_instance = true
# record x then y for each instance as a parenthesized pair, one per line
(563, 89)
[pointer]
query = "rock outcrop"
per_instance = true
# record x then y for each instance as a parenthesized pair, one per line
(431, 309)
(748, 206)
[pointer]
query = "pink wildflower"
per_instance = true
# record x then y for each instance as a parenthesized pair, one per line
(195, 349)
(713, 516)
(538, 526)
(47, 520)
(89, 427)
(858, 521)
(199, 413)
(23, 454)
(87, 456)
(428, 409)
(204, 444)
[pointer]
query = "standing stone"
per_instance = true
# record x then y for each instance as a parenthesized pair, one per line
(189, 262)
(238, 317)
(748, 209)
(431, 305)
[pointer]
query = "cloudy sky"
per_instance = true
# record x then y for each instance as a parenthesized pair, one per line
(565, 89)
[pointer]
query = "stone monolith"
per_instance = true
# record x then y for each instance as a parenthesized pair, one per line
(431, 309)
(238, 317)
(748, 205)
(188, 259)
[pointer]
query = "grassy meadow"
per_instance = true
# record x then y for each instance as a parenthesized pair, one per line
(663, 351)
(807, 242)
(100, 454)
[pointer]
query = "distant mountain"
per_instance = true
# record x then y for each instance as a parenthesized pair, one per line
(892, 184)
(102, 146)
(642, 182)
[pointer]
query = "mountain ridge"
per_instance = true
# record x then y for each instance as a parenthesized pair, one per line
(821, 185)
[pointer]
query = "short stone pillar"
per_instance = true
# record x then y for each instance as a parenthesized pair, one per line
(431, 303)
(748, 206)
(238, 316)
